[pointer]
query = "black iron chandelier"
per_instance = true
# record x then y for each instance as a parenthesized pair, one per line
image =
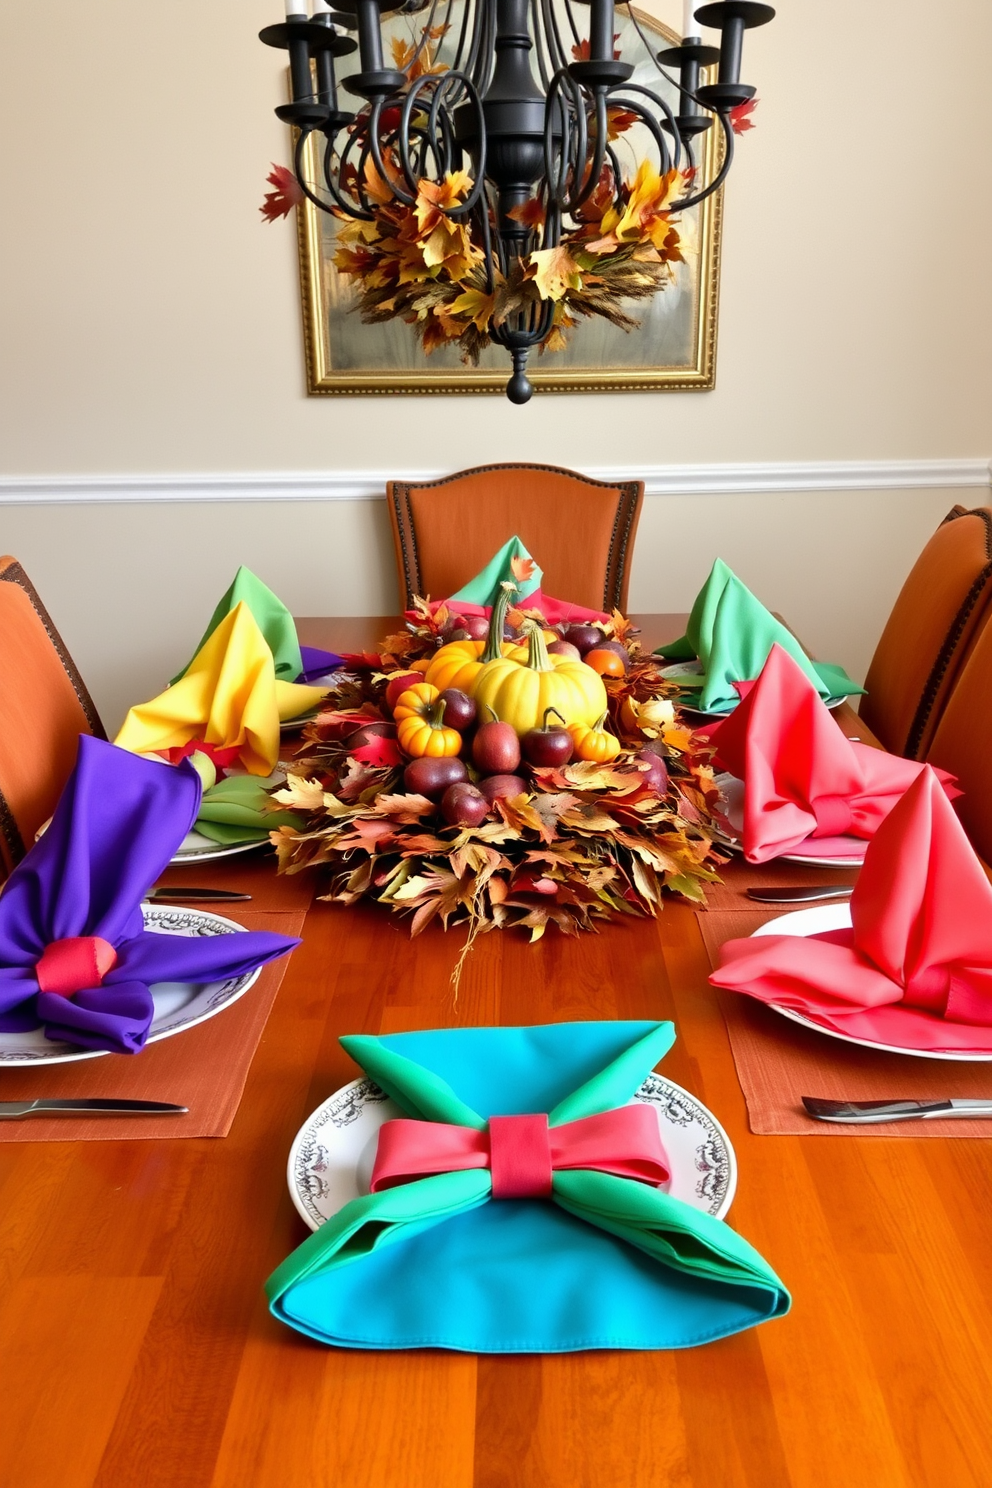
(541, 139)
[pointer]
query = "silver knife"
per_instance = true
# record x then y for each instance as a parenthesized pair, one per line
(894, 1110)
(17, 1110)
(192, 895)
(806, 895)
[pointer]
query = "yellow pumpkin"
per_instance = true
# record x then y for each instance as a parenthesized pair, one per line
(459, 663)
(595, 743)
(520, 692)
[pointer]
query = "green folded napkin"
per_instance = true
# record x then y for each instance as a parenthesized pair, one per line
(512, 564)
(731, 634)
(607, 1262)
(234, 811)
(273, 619)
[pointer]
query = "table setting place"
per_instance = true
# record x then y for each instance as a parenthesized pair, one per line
(503, 762)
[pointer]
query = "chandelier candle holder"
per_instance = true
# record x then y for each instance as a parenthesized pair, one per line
(484, 201)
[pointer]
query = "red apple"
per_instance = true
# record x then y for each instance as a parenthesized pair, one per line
(432, 777)
(547, 746)
(459, 709)
(502, 787)
(584, 637)
(398, 684)
(565, 648)
(495, 749)
(464, 806)
(476, 625)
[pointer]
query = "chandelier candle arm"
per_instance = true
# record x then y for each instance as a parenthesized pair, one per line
(481, 197)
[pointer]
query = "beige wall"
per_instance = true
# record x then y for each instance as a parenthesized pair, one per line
(150, 324)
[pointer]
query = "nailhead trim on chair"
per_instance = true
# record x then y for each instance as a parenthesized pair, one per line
(929, 697)
(616, 563)
(14, 574)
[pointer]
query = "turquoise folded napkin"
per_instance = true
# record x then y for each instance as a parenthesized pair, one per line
(512, 564)
(607, 1262)
(234, 810)
(272, 617)
(731, 634)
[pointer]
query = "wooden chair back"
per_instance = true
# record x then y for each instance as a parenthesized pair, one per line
(44, 707)
(580, 531)
(939, 614)
(962, 743)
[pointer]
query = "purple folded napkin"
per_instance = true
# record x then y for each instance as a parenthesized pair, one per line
(317, 663)
(74, 954)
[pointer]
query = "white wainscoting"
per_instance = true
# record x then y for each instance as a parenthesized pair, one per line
(743, 478)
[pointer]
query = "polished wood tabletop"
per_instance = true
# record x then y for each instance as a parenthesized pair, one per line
(136, 1349)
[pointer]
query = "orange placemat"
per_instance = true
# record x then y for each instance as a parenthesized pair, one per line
(204, 1068)
(778, 1062)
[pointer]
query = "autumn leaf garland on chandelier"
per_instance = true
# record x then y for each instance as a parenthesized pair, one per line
(419, 264)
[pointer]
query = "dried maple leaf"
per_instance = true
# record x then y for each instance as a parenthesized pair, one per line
(380, 753)
(580, 51)
(554, 271)
(618, 121)
(740, 115)
(287, 194)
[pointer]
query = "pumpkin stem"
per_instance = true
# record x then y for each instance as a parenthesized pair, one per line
(537, 652)
(494, 641)
(544, 721)
(435, 713)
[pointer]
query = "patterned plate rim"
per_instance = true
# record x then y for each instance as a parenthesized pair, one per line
(716, 1159)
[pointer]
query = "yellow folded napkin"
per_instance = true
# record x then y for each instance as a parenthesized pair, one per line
(229, 698)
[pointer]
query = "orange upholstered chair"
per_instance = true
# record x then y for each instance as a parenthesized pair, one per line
(580, 531)
(940, 612)
(962, 742)
(44, 707)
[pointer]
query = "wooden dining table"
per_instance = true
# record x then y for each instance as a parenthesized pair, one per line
(137, 1350)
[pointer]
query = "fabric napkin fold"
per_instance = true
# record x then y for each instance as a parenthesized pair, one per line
(915, 968)
(608, 1262)
(229, 697)
(293, 662)
(731, 634)
(74, 953)
(804, 782)
(235, 810)
(513, 564)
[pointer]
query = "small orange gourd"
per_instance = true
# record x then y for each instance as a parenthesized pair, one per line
(595, 743)
(606, 663)
(421, 730)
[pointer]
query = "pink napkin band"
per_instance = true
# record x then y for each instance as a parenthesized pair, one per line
(68, 966)
(523, 1151)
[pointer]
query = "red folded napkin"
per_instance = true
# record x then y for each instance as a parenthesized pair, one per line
(555, 611)
(802, 779)
(914, 970)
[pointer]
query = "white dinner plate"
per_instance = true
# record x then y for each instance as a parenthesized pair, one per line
(178, 1005)
(195, 848)
(838, 917)
(732, 794)
(330, 1161)
(695, 669)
